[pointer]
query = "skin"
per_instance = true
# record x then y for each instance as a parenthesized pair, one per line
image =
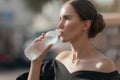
(34, 73)
(82, 55)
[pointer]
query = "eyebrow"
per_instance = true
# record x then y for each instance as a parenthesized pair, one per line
(66, 16)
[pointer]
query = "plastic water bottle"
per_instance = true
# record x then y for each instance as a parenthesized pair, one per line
(35, 49)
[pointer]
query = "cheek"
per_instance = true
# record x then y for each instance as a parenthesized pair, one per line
(73, 27)
(70, 25)
(72, 30)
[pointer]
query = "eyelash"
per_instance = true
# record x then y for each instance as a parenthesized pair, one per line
(65, 18)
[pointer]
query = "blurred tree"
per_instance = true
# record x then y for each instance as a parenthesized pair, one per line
(36, 5)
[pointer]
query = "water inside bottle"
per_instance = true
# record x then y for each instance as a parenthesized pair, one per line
(51, 40)
(52, 36)
(36, 49)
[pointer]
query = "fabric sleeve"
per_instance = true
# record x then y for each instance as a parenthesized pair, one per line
(23, 76)
(47, 72)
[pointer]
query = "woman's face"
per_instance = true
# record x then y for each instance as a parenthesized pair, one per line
(70, 26)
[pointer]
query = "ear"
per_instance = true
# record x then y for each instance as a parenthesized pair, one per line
(87, 24)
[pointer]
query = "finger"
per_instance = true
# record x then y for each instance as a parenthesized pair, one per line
(43, 34)
(47, 49)
(45, 52)
(37, 39)
(40, 37)
(50, 45)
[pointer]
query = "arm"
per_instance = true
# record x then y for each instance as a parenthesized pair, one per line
(34, 73)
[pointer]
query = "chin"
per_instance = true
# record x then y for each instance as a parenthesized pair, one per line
(63, 40)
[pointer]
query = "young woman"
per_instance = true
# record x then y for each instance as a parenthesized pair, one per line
(79, 21)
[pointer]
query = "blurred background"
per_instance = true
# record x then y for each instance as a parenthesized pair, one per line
(23, 20)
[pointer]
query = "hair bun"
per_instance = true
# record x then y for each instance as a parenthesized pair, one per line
(97, 26)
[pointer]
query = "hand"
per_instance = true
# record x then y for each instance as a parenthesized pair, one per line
(40, 38)
(41, 57)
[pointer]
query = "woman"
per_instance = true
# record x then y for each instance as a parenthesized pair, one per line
(79, 21)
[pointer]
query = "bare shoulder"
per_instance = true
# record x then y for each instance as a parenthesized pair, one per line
(62, 55)
(106, 65)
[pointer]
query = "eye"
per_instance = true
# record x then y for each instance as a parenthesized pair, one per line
(67, 18)
(60, 18)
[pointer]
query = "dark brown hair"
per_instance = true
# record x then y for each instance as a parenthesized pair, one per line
(86, 11)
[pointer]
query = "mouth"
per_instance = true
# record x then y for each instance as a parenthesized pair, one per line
(61, 32)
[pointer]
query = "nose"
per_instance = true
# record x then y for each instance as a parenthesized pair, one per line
(60, 25)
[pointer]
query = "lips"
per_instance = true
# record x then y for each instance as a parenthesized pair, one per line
(61, 33)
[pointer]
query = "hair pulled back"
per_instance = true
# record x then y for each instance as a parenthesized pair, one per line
(86, 11)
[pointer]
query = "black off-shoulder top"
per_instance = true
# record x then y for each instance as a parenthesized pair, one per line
(55, 70)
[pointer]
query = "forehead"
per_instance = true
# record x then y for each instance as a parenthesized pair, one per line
(67, 9)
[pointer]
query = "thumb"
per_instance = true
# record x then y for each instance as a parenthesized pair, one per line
(47, 49)
(44, 53)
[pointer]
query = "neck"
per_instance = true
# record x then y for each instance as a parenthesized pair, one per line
(81, 49)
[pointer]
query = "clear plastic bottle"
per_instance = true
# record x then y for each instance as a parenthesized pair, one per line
(35, 49)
